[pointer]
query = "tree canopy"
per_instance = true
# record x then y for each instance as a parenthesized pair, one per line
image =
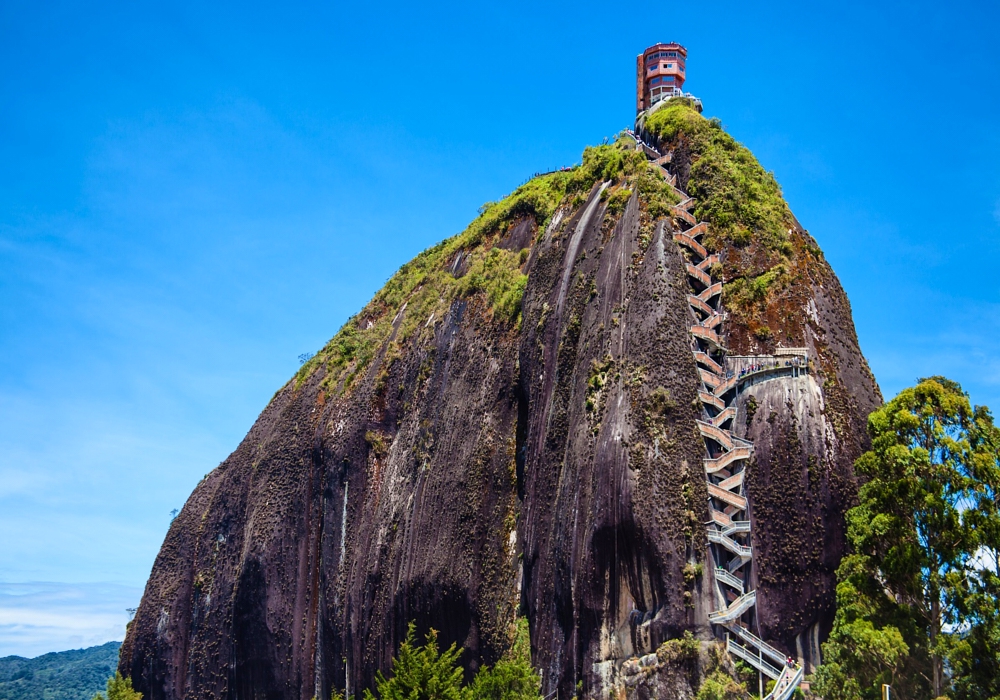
(119, 688)
(423, 672)
(917, 596)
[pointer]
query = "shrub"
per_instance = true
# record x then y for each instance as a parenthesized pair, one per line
(513, 677)
(119, 688)
(498, 274)
(422, 672)
(740, 199)
(617, 201)
(719, 686)
(678, 650)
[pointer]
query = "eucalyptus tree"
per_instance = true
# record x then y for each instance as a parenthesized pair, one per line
(918, 594)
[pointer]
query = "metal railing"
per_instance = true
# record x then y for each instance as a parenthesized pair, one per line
(742, 526)
(733, 374)
(750, 638)
(753, 659)
(729, 543)
(728, 579)
(786, 684)
(735, 609)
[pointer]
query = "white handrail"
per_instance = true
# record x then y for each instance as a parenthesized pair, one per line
(784, 686)
(753, 659)
(735, 609)
(729, 543)
(737, 449)
(730, 580)
(749, 637)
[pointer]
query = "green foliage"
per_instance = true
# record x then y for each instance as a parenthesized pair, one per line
(376, 440)
(866, 647)
(607, 163)
(539, 198)
(119, 688)
(740, 199)
(617, 201)
(511, 678)
(674, 651)
(64, 675)
(422, 672)
(918, 597)
(658, 195)
(718, 685)
(744, 293)
(498, 274)
(595, 382)
(691, 573)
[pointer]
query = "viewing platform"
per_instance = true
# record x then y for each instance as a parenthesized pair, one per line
(748, 370)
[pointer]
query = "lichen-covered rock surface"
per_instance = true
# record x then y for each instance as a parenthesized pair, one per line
(508, 428)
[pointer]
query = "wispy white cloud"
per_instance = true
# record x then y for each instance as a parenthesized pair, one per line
(39, 617)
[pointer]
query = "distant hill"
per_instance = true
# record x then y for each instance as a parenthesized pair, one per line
(64, 675)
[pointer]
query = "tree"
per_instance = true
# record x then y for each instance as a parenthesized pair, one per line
(512, 677)
(422, 672)
(119, 688)
(917, 597)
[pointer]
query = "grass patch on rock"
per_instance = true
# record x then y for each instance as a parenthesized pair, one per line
(740, 200)
(423, 290)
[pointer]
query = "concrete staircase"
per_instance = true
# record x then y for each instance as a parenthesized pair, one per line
(726, 455)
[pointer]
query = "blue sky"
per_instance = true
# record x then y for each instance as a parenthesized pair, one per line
(192, 196)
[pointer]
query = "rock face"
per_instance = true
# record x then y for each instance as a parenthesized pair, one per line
(508, 428)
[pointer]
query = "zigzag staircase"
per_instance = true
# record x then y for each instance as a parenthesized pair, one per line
(727, 455)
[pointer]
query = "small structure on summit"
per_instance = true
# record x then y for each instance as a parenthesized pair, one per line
(659, 75)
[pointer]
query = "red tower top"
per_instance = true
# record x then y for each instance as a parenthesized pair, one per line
(659, 73)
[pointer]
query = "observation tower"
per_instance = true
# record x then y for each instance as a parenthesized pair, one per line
(659, 74)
